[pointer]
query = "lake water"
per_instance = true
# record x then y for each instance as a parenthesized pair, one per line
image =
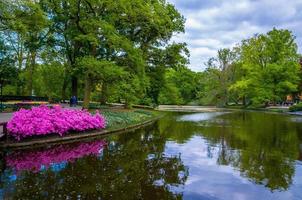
(206, 156)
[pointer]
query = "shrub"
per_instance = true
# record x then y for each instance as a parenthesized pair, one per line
(297, 107)
(43, 121)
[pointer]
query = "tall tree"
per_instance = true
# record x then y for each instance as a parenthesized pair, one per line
(271, 66)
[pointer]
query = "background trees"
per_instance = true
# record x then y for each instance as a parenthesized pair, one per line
(120, 51)
(271, 65)
(94, 46)
(263, 69)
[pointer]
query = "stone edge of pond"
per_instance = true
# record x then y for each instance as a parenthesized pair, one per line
(76, 136)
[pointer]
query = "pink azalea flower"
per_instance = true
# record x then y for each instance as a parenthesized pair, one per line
(43, 120)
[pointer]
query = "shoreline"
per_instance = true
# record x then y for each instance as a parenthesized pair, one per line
(73, 137)
(194, 109)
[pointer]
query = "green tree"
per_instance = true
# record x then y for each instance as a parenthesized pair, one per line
(30, 24)
(219, 75)
(8, 72)
(270, 65)
(49, 80)
(96, 71)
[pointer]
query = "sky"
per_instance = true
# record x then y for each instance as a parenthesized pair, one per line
(215, 24)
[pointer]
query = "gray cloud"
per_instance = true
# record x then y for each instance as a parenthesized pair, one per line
(215, 24)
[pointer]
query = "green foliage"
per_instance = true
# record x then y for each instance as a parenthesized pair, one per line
(49, 81)
(8, 72)
(170, 95)
(263, 69)
(106, 49)
(130, 90)
(271, 65)
(297, 107)
(212, 91)
(120, 51)
(180, 86)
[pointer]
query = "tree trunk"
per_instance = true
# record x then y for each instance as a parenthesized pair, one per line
(244, 101)
(31, 72)
(74, 86)
(104, 94)
(64, 86)
(20, 61)
(127, 104)
(87, 92)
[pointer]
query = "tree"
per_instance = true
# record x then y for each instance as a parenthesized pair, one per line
(260, 70)
(174, 56)
(49, 80)
(180, 86)
(271, 67)
(96, 71)
(8, 72)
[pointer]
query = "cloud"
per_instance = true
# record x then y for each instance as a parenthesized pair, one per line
(215, 24)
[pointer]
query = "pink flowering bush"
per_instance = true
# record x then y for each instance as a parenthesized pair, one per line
(33, 160)
(43, 121)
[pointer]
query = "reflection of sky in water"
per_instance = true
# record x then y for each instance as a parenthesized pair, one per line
(209, 181)
(297, 119)
(197, 117)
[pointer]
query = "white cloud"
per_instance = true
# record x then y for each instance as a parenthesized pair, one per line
(215, 24)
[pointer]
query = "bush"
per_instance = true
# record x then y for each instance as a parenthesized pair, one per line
(297, 107)
(43, 121)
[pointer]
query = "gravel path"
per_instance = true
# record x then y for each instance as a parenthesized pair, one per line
(5, 117)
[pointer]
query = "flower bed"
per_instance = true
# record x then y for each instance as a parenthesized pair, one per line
(44, 121)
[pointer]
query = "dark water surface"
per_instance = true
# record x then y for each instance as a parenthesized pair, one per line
(208, 156)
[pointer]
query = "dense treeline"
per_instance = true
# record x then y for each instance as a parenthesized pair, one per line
(261, 70)
(121, 51)
(95, 49)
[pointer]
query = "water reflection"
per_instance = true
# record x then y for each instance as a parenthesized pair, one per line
(130, 167)
(268, 144)
(240, 155)
(197, 117)
(36, 160)
(263, 147)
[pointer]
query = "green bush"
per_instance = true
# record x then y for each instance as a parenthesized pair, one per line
(297, 107)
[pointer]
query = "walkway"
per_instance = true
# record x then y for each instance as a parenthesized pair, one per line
(5, 117)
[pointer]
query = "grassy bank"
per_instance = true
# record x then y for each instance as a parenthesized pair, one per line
(120, 118)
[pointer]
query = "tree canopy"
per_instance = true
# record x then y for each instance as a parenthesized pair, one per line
(122, 51)
(263, 69)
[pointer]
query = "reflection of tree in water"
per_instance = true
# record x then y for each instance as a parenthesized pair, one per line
(132, 167)
(180, 132)
(299, 130)
(263, 147)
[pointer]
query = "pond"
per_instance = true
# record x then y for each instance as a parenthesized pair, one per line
(208, 156)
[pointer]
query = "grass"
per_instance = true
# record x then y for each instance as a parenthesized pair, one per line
(120, 118)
